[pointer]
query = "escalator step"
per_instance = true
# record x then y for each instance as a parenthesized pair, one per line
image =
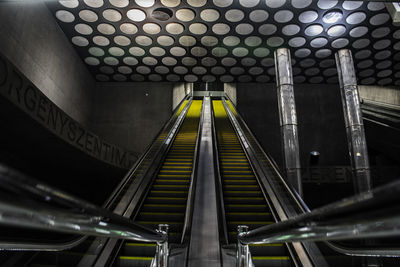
(246, 207)
(241, 181)
(134, 261)
(239, 193)
(166, 200)
(162, 216)
(271, 261)
(157, 207)
(254, 216)
(243, 199)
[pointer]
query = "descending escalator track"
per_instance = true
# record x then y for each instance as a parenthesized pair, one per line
(166, 200)
(244, 201)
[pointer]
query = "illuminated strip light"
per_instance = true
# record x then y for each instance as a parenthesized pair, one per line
(238, 129)
(174, 129)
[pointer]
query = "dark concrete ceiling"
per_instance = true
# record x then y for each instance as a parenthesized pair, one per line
(229, 40)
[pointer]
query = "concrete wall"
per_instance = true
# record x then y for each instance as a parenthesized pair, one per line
(230, 90)
(131, 114)
(320, 120)
(384, 94)
(178, 93)
(32, 40)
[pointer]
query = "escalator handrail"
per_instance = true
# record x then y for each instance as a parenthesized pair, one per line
(143, 155)
(306, 254)
(362, 252)
(88, 220)
(302, 206)
(376, 211)
(193, 178)
(381, 105)
(294, 195)
(219, 187)
(110, 248)
(268, 156)
(46, 191)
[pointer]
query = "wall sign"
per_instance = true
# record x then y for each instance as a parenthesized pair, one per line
(20, 91)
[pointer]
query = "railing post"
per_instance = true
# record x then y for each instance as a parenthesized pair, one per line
(288, 118)
(353, 120)
(162, 250)
(243, 253)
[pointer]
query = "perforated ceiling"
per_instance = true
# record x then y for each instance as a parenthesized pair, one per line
(229, 40)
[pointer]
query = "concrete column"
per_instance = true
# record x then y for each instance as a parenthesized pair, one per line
(189, 88)
(230, 90)
(288, 118)
(353, 120)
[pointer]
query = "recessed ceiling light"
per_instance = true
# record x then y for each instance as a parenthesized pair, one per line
(145, 3)
(136, 15)
(332, 16)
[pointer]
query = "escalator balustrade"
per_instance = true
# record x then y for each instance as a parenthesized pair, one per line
(141, 254)
(243, 199)
(166, 200)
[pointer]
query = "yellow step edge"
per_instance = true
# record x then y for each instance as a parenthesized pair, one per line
(171, 185)
(133, 258)
(270, 258)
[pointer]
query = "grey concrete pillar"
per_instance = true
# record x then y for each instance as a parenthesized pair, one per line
(188, 88)
(288, 118)
(353, 120)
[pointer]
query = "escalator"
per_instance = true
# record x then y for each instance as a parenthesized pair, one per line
(244, 201)
(164, 192)
(166, 200)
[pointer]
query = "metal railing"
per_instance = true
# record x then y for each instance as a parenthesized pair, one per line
(367, 215)
(85, 219)
(91, 220)
(192, 187)
(279, 194)
(287, 203)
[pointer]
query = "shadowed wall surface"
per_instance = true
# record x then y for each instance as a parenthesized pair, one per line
(319, 116)
(131, 114)
(36, 45)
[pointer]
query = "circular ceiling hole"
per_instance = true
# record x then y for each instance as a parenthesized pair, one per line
(162, 14)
